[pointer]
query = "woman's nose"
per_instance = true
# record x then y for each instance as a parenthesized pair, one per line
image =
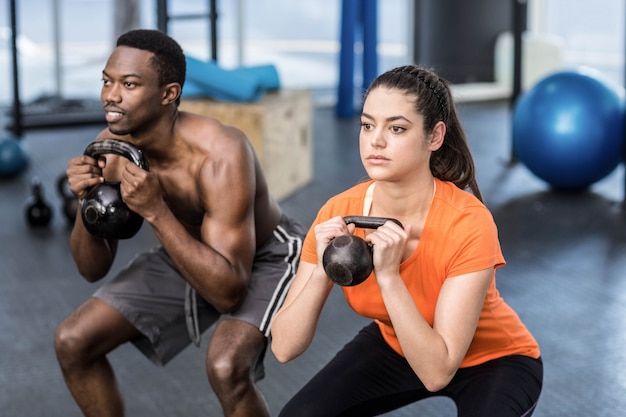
(377, 139)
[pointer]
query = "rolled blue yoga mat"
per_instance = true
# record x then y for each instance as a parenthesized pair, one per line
(267, 75)
(191, 89)
(220, 83)
(207, 79)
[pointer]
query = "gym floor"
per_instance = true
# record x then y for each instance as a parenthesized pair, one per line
(565, 276)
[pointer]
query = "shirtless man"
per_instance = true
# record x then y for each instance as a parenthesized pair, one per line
(226, 248)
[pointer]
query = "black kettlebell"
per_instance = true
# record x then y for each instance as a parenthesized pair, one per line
(69, 205)
(348, 259)
(103, 212)
(38, 212)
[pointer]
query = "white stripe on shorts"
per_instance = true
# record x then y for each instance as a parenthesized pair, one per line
(280, 292)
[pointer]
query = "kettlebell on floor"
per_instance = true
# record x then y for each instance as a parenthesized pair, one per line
(37, 210)
(69, 202)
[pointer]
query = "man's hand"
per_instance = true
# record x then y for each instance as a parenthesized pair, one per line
(84, 172)
(141, 191)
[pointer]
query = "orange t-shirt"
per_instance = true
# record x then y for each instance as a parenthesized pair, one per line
(459, 237)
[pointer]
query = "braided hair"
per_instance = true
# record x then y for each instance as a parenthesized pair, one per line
(453, 161)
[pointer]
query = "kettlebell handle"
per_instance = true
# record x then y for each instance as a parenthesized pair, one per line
(367, 222)
(117, 147)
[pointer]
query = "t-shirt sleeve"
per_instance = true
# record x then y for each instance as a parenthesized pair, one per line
(309, 253)
(309, 250)
(475, 244)
(349, 202)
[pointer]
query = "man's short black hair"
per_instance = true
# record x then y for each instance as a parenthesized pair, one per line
(169, 59)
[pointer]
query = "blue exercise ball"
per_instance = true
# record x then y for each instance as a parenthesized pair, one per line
(568, 129)
(13, 157)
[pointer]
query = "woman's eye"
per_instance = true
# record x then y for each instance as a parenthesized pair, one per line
(397, 129)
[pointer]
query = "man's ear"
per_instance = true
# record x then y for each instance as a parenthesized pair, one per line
(171, 93)
(437, 136)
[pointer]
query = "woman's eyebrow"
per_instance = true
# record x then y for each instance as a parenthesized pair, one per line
(388, 119)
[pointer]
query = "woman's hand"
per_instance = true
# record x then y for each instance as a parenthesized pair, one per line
(327, 231)
(388, 242)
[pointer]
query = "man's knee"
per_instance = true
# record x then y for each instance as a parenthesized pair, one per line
(69, 344)
(223, 367)
(90, 332)
(233, 352)
(228, 362)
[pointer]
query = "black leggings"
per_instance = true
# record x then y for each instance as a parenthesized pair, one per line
(368, 378)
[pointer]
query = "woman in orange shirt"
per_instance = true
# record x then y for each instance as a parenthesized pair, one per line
(439, 327)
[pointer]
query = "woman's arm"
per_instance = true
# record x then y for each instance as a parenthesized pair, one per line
(295, 323)
(435, 353)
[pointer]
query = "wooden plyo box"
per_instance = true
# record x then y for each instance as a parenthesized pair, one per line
(279, 127)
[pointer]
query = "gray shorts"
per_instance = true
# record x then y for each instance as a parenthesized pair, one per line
(154, 297)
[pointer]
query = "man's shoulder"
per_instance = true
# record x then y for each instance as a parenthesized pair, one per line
(214, 142)
(206, 125)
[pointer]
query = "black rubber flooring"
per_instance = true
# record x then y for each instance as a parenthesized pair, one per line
(566, 277)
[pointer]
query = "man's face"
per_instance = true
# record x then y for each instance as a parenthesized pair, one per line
(130, 94)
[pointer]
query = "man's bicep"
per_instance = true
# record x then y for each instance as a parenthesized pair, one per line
(228, 223)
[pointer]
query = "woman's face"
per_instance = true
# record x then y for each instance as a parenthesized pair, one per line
(393, 144)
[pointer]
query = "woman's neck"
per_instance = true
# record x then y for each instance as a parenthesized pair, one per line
(403, 200)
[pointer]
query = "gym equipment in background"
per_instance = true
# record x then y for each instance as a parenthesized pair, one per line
(69, 206)
(359, 25)
(14, 158)
(36, 209)
(244, 84)
(568, 128)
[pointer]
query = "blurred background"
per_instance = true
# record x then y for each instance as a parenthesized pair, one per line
(63, 43)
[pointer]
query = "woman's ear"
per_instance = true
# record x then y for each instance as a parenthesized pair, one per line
(171, 93)
(437, 136)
